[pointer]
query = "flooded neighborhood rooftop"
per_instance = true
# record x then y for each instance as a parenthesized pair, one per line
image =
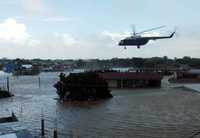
(14, 130)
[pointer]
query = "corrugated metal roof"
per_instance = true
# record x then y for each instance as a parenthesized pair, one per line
(18, 134)
(27, 66)
(131, 76)
(15, 128)
(9, 136)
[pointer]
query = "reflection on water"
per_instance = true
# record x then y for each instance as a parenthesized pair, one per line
(130, 113)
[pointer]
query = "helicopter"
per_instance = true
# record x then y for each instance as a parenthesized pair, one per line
(137, 40)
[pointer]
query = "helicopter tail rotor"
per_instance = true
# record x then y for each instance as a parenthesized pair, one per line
(175, 32)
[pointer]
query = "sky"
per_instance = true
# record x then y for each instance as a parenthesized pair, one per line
(89, 29)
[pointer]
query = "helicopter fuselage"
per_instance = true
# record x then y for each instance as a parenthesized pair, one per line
(133, 41)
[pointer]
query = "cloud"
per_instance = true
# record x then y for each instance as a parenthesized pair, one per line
(47, 19)
(17, 42)
(39, 11)
(69, 40)
(33, 42)
(115, 36)
(64, 39)
(59, 19)
(35, 7)
(14, 32)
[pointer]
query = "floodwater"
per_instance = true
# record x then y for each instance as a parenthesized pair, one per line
(142, 113)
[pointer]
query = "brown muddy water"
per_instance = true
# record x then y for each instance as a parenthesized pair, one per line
(144, 113)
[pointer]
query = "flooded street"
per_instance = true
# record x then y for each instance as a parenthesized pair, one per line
(146, 113)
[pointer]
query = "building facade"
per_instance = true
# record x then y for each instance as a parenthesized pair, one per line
(132, 79)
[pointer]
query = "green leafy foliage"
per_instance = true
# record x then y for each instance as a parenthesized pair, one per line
(86, 86)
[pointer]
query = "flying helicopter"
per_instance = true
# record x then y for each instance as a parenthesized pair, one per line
(138, 40)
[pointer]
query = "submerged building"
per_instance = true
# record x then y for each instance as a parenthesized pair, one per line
(26, 69)
(11, 128)
(190, 76)
(132, 79)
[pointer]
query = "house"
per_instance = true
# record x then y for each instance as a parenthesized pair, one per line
(8, 68)
(192, 75)
(132, 79)
(26, 69)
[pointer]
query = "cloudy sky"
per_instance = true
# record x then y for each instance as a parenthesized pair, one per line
(70, 29)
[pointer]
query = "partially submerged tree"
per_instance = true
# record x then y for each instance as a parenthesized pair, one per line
(87, 86)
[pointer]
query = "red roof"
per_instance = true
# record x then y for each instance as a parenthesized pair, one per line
(130, 76)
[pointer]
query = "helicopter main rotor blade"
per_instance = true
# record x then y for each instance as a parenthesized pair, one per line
(134, 30)
(151, 29)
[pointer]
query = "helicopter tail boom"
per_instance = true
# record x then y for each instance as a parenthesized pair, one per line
(161, 37)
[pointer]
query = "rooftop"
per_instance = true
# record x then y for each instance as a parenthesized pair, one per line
(10, 128)
(19, 134)
(131, 75)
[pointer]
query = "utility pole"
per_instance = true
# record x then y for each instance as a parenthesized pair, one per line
(8, 84)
